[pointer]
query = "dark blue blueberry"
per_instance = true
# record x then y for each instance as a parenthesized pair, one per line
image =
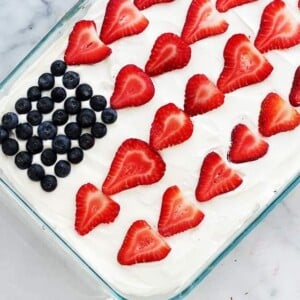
(62, 168)
(46, 81)
(98, 103)
(23, 106)
(86, 118)
(34, 117)
(10, 147)
(86, 141)
(3, 134)
(58, 68)
(109, 115)
(10, 120)
(71, 80)
(23, 160)
(45, 105)
(84, 92)
(24, 131)
(73, 130)
(34, 145)
(60, 117)
(34, 93)
(49, 183)
(58, 94)
(99, 130)
(61, 144)
(36, 172)
(75, 155)
(47, 130)
(48, 157)
(72, 106)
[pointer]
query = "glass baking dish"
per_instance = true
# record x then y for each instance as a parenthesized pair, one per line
(74, 14)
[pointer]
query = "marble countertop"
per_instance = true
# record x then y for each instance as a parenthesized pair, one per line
(265, 265)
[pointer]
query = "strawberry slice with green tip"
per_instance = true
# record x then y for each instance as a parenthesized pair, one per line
(169, 53)
(133, 87)
(177, 214)
(276, 115)
(216, 178)
(171, 126)
(84, 45)
(294, 95)
(201, 95)
(142, 244)
(279, 29)
(225, 5)
(93, 208)
(202, 21)
(245, 145)
(135, 163)
(244, 65)
(143, 4)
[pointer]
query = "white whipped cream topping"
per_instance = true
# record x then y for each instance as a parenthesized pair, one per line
(225, 215)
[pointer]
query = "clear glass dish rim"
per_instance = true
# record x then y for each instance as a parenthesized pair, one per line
(71, 13)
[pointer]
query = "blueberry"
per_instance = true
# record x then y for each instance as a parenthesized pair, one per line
(109, 115)
(10, 120)
(3, 134)
(99, 130)
(45, 105)
(36, 172)
(24, 131)
(34, 117)
(71, 80)
(23, 160)
(86, 141)
(75, 155)
(34, 93)
(84, 92)
(49, 183)
(10, 147)
(58, 68)
(47, 130)
(86, 118)
(46, 81)
(34, 145)
(48, 157)
(72, 106)
(58, 94)
(73, 131)
(62, 168)
(61, 144)
(23, 106)
(60, 117)
(98, 103)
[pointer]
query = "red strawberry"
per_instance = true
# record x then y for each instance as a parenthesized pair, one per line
(276, 115)
(244, 65)
(216, 178)
(133, 87)
(142, 4)
(135, 163)
(84, 45)
(245, 145)
(294, 96)
(201, 95)
(278, 28)
(169, 53)
(224, 5)
(202, 20)
(121, 19)
(171, 126)
(177, 215)
(93, 208)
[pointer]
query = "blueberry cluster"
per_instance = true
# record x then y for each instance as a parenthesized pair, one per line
(43, 121)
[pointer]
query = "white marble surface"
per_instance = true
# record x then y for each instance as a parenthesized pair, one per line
(264, 266)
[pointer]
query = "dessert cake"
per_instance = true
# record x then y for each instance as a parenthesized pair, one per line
(151, 133)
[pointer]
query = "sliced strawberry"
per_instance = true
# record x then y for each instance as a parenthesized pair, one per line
(177, 214)
(276, 115)
(244, 65)
(84, 45)
(133, 87)
(93, 208)
(201, 95)
(142, 4)
(121, 19)
(202, 21)
(135, 163)
(279, 29)
(171, 126)
(169, 53)
(142, 244)
(216, 178)
(224, 5)
(245, 145)
(294, 95)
